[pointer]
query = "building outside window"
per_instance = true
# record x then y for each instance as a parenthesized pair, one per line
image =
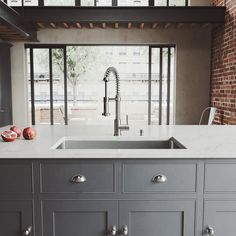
(133, 2)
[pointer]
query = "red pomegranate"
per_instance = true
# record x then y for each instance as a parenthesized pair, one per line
(9, 136)
(16, 130)
(29, 133)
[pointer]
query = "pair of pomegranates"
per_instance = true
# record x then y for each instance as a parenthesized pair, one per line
(11, 135)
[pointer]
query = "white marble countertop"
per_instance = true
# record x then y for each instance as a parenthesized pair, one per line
(200, 142)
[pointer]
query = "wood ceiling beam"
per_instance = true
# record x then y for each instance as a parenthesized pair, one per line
(78, 25)
(53, 25)
(142, 25)
(66, 25)
(40, 25)
(166, 26)
(104, 25)
(180, 25)
(116, 25)
(154, 25)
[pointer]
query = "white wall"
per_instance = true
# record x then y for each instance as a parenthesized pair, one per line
(193, 63)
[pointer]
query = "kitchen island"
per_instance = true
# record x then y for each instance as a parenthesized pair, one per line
(46, 191)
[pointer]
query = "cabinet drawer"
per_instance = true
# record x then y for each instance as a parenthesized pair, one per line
(15, 178)
(155, 178)
(77, 178)
(220, 177)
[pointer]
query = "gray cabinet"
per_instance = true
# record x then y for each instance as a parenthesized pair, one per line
(146, 178)
(64, 177)
(164, 218)
(220, 177)
(219, 218)
(117, 197)
(16, 218)
(16, 177)
(79, 217)
(5, 84)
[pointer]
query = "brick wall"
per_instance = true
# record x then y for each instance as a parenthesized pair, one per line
(223, 75)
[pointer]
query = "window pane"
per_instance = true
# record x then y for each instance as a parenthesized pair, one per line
(87, 3)
(160, 3)
(155, 85)
(172, 86)
(59, 2)
(58, 86)
(101, 3)
(19, 2)
(164, 86)
(177, 3)
(41, 86)
(86, 91)
(133, 2)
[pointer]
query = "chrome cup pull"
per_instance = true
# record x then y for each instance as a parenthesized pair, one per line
(210, 230)
(113, 230)
(27, 231)
(124, 230)
(77, 179)
(159, 179)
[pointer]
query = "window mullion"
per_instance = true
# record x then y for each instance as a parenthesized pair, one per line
(168, 85)
(160, 85)
(149, 84)
(32, 85)
(65, 86)
(51, 86)
(78, 3)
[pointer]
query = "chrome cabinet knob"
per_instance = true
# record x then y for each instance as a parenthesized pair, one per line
(210, 230)
(27, 231)
(77, 179)
(113, 230)
(159, 179)
(124, 230)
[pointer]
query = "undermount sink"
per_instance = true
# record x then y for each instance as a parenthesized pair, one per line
(120, 144)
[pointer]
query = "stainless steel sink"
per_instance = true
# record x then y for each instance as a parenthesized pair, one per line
(120, 144)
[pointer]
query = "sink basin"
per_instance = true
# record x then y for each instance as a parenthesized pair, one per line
(120, 144)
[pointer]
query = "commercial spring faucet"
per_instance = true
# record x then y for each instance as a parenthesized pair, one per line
(118, 127)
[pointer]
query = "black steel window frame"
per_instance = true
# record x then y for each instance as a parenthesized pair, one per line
(31, 58)
(161, 47)
(114, 3)
(31, 47)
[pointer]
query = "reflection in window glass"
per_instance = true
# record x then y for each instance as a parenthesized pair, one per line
(87, 3)
(59, 2)
(133, 2)
(101, 3)
(160, 3)
(177, 3)
(171, 3)
(17, 3)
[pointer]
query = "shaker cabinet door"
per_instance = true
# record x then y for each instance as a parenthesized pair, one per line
(219, 218)
(79, 217)
(16, 218)
(157, 218)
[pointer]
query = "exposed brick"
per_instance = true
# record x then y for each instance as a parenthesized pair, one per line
(223, 73)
